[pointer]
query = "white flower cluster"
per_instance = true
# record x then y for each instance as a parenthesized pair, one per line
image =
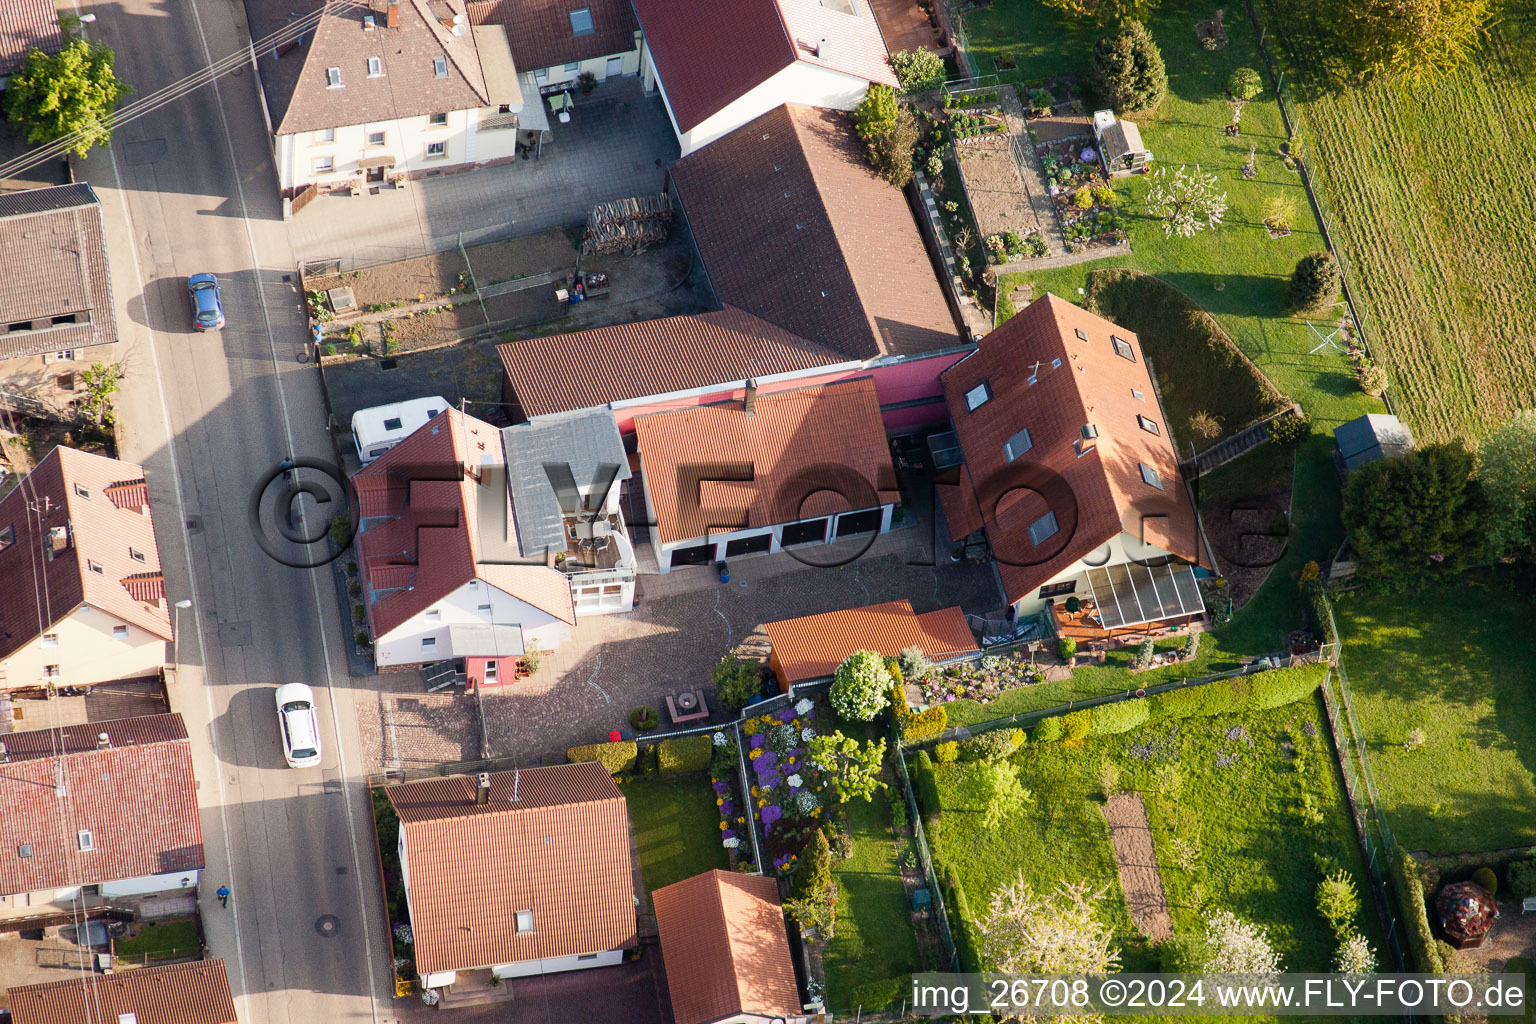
(719, 739)
(731, 843)
(795, 780)
(803, 706)
(807, 734)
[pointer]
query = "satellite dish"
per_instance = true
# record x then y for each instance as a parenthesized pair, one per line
(459, 30)
(458, 19)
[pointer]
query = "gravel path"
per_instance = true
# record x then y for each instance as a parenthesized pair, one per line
(1136, 857)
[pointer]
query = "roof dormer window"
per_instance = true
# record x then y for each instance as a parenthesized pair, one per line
(1090, 431)
(333, 78)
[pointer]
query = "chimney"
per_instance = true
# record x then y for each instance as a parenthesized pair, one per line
(483, 788)
(103, 741)
(821, 48)
(749, 398)
(392, 15)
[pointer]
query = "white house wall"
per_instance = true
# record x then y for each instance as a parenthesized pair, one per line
(720, 540)
(402, 645)
(1124, 548)
(552, 965)
(405, 139)
(806, 84)
(86, 652)
(560, 74)
(151, 883)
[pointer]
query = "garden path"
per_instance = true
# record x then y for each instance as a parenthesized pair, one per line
(1136, 858)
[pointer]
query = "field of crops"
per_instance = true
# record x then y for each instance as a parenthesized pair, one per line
(1432, 191)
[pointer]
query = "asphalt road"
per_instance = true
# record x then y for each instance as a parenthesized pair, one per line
(186, 189)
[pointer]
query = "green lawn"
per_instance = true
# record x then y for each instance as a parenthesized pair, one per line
(1458, 662)
(874, 951)
(677, 827)
(1224, 786)
(178, 934)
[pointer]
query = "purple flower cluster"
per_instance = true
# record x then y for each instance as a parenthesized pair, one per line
(771, 814)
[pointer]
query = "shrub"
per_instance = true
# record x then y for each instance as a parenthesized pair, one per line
(1372, 379)
(947, 752)
(1281, 686)
(861, 686)
(1290, 430)
(1244, 84)
(341, 530)
(914, 663)
(1066, 647)
(644, 719)
(925, 726)
(649, 759)
(1128, 71)
(959, 913)
(363, 639)
(1339, 903)
(1191, 648)
(934, 166)
(737, 681)
(1083, 199)
(686, 753)
(617, 755)
(1049, 730)
(359, 614)
(782, 738)
(1122, 716)
(1315, 597)
(991, 746)
(894, 668)
(919, 70)
(889, 132)
(1315, 282)
(1485, 877)
(1075, 725)
(724, 760)
(1521, 876)
(813, 871)
(1144, 653)
(926, 785)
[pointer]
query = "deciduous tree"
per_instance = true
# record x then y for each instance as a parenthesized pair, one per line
(851, 769)
(1104, 11)
(919, 70)
(1506, 468)
(1060, 932)
(737, 681)
(1185, 201)
(1234, 946)
(1001, 792)
(889, 132)
(1410, 40)
(72, 91)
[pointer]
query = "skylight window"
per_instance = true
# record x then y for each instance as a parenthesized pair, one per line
(439, 67)
(333, 78)
(1082, 335)
(1148, 425)
(375, 67)
(1149, 475)
(1138, 395)
(1043, 529)
(393, 423)
(1123, 348)
(1018, 444)
(581, 22)
(525, 921)
(978, 396)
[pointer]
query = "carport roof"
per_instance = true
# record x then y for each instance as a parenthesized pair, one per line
(577, 450)
(193, 993)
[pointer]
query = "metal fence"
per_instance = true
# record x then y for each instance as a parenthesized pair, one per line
(959, 39)
(925, 858)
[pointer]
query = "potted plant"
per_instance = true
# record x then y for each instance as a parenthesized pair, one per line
(586, 82)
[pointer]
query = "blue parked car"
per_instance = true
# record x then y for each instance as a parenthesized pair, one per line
(207, 302)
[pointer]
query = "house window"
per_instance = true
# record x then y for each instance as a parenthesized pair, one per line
(437, 150)
(136, 554)
(375, 67)
(83, 492)
(394, 423)
(490, 671)
(586, 956)
(541, 75)
(437, 120)
(1017, 445)
(581, 22)
(119, 632)
(333, 78)
(7, 537)
(50, 671)
(50, 640)
(439, 67)
(1149, 475)
(1138, 395)
(64, 355)
(1148, 425)
(435, 615)
(95, 567)
(1043, 529)
(325, 135)
(376, 138)
(429, 643)
(1058, 589)
(325, 164)
(65, 381)
(978, 396)
(573, 67)
(1122, 348)
(87, 841)
(1082, 335)
(525, 921)
(484, 609)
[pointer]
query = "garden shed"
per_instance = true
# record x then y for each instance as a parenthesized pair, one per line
(1370, 437)
(812, 647)
(1467, 912)
(1120, 145)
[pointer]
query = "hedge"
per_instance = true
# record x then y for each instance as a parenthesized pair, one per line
(1281, 686)
(915, 728)
(1315, 597)
(991, 746)
(1109, 719)
(960, 924)
(1048, 731)
(686, 753)
(1259, 692)
(1424, 956)
(1076, 724)
(617, 756)
(927, 786)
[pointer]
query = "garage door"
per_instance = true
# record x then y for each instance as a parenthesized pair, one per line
(748, 545)
(699, 554)
(812, 531)
(867, 521)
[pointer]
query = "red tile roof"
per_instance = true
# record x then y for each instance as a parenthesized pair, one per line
(194, 993)
(137, 798)
(27, 25)
(552, 840)
(73, 488)
(428, 548)
(795, 444)
(1095, 497)
(539, 31)
(794, 227)
(708, 55)
(56, 266)
(653, 357)
(813, 646)
(726, 948)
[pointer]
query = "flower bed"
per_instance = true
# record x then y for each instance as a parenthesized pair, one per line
(784, 798)
(980, 681)
(723, 767)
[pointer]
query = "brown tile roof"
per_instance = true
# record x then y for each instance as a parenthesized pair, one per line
(560, 849)
(56, 265)
(726, 948)
(194, 993)
(794, 227)
(41, 592)
(1094, 497)
(26, 25)
(136, 797)
(539, 31)
(427, 547)
(293, 79)
(708, 55)
(813, 646)
(653, 357)
(808, 435)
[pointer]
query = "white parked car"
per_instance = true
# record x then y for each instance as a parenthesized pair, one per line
(299, 725)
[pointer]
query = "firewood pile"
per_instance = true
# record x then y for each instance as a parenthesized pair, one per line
(627, 226)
